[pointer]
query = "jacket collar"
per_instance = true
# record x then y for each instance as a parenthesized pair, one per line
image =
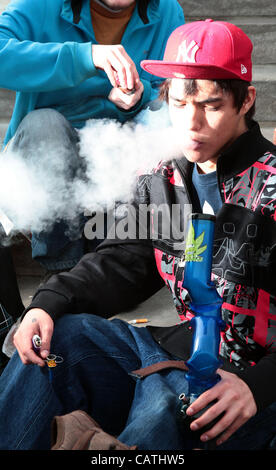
(66, 11)
(246, 150)
(67, 14)
(85, 17)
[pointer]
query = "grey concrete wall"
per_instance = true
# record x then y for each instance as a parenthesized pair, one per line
(226, 8)
(3, 4)
(258, 20)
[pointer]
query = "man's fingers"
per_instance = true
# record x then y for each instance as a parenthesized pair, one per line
(223, 430)
(113, 60)
(34, 358)
(46, 336)
(202, 401)
(226, 423)
(28, 356)
(209, 415)
(35, 322)
(124, 100)
(128, 69)
(111, 74)
(119, 70)
(231, 404)
(228, 432)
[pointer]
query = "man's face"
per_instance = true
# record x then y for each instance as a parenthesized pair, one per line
(206, 122)
(118, 4)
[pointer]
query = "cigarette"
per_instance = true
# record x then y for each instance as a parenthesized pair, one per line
(138, 320)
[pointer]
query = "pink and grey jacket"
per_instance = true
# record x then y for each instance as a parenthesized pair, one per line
(123, 273)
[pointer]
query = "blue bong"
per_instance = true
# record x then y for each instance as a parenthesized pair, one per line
(205, 304)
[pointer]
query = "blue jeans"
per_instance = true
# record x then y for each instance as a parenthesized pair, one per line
(98, 356)
(41, 133)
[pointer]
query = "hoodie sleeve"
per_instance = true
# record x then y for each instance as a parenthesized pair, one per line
(28, 65)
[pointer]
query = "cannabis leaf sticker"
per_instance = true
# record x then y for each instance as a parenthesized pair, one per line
(193, 246)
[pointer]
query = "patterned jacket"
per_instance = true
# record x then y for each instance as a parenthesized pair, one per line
(244, 259)
(244, 255)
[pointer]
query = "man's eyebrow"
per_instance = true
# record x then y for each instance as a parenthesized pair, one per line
(175, 98)
(215, 99)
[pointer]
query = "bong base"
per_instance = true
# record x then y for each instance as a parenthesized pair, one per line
(186, 421)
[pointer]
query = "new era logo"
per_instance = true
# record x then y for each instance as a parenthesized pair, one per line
(243, 69)
(187, 53)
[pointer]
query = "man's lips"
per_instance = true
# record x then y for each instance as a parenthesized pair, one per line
(192, 144)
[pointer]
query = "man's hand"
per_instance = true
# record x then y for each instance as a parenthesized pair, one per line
(117, 65)
(124, 100)
(35, 322)
(234, 399)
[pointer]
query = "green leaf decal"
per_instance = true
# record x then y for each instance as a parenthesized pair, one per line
(193, 246)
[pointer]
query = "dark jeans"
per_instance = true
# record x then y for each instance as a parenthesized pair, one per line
(43, 136)
(98, 356)
(11, 305)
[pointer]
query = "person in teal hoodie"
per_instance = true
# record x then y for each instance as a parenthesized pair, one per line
(54, 54)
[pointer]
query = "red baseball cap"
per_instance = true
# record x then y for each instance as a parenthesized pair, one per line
(205, 50)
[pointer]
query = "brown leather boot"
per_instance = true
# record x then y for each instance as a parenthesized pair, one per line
(78, 431)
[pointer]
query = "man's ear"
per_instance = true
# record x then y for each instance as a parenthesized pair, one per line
(249, 100)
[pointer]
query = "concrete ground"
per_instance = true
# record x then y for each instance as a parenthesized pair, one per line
(159, 309)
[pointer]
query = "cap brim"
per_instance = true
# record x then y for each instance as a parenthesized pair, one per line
(195, 71)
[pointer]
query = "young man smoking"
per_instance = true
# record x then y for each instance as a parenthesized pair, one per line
(228, 167)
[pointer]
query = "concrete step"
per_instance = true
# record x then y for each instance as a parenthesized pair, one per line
(3, 4)
(213, 8)
(267, 129)
(264, 78)
(263, 36)
(261, 31)
(3, 129)
(225, 8)
(6, 104)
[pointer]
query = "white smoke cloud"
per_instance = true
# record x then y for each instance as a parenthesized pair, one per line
(115, 155)
(35, 195)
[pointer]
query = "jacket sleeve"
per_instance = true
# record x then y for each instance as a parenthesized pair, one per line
(261, 379)
(29, 65)
(119, 275)
(113, 279)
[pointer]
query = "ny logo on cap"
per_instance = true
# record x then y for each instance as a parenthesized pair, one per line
(187, 53)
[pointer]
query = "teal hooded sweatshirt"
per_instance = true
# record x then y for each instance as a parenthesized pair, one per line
(47, 59)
